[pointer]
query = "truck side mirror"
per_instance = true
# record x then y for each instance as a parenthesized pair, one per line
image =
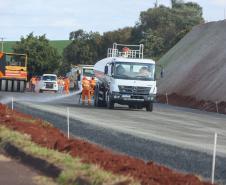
(106, 70)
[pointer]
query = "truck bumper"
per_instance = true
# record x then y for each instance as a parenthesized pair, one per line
(130, 99)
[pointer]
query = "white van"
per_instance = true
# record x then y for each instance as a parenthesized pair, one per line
(48, 82)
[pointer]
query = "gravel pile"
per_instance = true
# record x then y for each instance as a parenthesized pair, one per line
(196, 66)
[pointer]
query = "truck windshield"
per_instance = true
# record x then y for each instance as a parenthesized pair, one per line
(49, 78)
(89, 72)
(15, 60)
(134, 71)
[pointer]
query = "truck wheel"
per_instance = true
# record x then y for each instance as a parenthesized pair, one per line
(3, 85)
(9, 86)
(15, 86)
(110, 103)
(40, 91)
(22, 86)
(97, 102)
(149, 107)
(132, 107)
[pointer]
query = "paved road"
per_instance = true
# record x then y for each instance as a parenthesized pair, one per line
(182, 127)
(178, 137)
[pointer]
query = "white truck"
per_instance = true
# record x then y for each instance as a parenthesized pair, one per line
(124, 77)
(48, 82)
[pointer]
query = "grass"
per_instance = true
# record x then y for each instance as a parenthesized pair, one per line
(58, 44)
(72, 168)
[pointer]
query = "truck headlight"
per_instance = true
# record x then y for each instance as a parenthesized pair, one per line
(116, 95)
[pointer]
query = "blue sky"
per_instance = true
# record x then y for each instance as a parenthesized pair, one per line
(57, 18)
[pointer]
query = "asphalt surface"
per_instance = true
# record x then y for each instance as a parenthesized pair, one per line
(180, 138)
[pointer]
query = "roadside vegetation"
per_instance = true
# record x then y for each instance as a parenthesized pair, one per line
(73, 170)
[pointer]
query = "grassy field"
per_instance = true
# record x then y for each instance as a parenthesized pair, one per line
(58, 44)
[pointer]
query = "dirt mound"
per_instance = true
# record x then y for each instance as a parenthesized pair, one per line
(196, 66)
(187, 101)
(48, 136)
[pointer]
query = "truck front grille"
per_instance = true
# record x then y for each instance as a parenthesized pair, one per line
(134, 90)
(49, 85)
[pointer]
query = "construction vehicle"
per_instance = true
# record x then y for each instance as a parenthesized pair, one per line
(13, 72)
(124, 77)
(77, 73)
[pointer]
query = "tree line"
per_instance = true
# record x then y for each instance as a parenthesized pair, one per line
(159, 29)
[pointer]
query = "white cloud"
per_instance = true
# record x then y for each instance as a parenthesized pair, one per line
(219, 2)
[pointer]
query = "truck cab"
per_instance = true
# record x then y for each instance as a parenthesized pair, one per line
(126, 78)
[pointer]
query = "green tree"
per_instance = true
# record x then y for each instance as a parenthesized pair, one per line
(84, 49)
(42, 58)
(167, 25)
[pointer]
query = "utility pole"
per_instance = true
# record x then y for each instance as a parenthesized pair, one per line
(2, 42)
(224, 14)
(156, 3)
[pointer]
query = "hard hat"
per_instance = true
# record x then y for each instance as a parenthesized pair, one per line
(125, 49)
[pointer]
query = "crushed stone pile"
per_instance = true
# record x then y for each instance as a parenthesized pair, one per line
(196, 65)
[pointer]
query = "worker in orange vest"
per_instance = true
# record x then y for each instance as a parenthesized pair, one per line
(66, 85)
(86, 90)
(33, 83)
(92, 85)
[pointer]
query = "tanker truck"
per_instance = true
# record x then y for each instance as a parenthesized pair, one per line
(125, 78)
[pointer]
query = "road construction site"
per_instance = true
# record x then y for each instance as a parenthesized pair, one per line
(179, 138)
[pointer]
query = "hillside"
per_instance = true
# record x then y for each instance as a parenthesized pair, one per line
(196, 66)
(58, 44)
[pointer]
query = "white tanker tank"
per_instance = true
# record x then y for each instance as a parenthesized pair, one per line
(124, 77)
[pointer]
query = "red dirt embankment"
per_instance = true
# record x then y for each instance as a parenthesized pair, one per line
(50, 137)
(188, 101)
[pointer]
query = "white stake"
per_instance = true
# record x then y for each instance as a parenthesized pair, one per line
(214, 157)
(217, 107)
(167, 101)
(12, 103)
(68, 133)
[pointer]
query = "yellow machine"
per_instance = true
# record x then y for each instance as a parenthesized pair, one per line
(13, 72)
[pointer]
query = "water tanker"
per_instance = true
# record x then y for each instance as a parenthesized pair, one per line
(124, 77)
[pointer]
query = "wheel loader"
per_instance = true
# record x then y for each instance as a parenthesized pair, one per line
(13, 72)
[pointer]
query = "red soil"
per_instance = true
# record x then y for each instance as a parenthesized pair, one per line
(187, 101)
(50, 137)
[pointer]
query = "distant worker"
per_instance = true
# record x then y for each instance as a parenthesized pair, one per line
(92, 85)
(78, 80)
(86, 91)
(126, 52)
(33, 84)
(66, 85)
(61, 86)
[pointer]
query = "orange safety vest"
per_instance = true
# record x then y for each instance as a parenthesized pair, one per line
(86, 85)
(33, 80)
(93, 83)
(67, 82)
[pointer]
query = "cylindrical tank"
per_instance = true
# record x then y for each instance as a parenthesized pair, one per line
(99, 69)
